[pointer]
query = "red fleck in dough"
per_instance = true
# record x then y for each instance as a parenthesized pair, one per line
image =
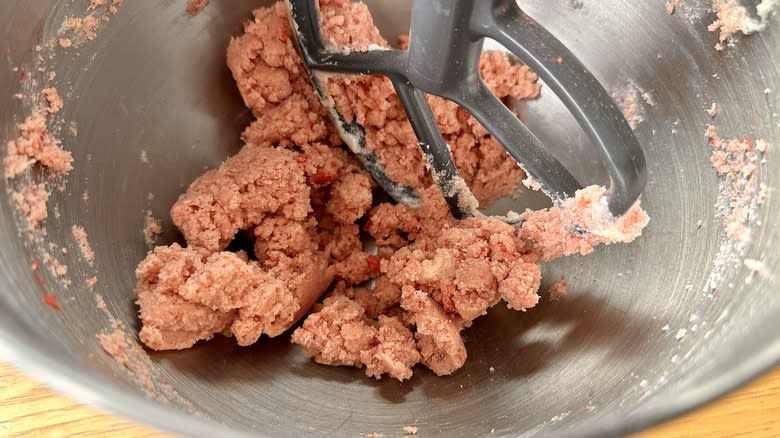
(302, 200)
(51, 300)
(355, 269)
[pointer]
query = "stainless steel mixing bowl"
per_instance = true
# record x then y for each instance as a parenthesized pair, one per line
(596, 363)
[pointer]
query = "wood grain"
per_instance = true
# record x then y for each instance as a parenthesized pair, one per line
(29, 410)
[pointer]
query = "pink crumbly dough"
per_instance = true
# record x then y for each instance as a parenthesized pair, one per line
(195, 6)
(558, 290)
(56, 267)
(54, 100)
(304, 202)
(152, 228)
(112, 8)
(737, 163)
(713, 110)
(126, 351)
(35, 145)
(628, 100)
(734, 17)
(731, 18)
(31, 200)
(116, 345)
(80, 236)
(83, 28)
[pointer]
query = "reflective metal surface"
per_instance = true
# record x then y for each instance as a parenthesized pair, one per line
(596, 363)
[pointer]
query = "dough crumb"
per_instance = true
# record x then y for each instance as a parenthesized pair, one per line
(54, 100)
(31, 200)
(737, 163)
(713, 111)
(733, 17)
(116, 346)
(410, 430)
(628, 100)
(83, 28)
(56, 267)
(755, 267)
(669, 8)
(80, 235)
(195, 6)
(35, 145)
(125, 350)
(558, 290)
(152, 228)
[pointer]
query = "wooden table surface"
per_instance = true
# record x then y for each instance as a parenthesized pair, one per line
(29, 410)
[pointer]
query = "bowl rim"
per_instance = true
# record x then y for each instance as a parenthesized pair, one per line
(73, 381)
